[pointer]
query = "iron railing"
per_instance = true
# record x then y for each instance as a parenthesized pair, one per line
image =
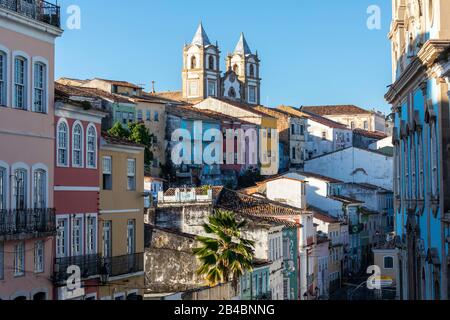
(38, 10)
(27, 221)
(122, 265)
(90, 266)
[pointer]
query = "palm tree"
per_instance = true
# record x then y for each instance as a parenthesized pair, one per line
(225, 255)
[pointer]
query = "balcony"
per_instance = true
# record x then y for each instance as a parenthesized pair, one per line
(21, 224)
(38, 10)
(123, 265)
(90, 266)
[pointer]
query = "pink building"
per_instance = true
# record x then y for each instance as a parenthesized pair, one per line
(27, 223)
(76, 195)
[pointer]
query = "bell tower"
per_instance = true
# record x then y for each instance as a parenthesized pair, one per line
(246, 66)
(201, 68)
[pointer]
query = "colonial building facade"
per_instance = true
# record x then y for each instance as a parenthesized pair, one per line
(420, 34)
(27, 225)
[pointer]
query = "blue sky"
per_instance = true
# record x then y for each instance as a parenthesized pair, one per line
(312, 52)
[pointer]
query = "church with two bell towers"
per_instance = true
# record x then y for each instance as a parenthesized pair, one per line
(202, 77)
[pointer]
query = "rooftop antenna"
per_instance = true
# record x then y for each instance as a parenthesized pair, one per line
(153, 86)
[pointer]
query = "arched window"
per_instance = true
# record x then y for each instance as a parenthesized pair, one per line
(252, 70)
(236, 69)
(40, 189)
(40, 87)
(62, 143)
(20, 188)
(3, 79)
(434, 159)
(91, 147)
(193, 62)
(232, 93)
(211, 62)
(77, 146)
(20, 83)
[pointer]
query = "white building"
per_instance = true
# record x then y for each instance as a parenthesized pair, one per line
(355, 165)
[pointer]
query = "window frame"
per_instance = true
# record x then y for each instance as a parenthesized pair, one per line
(73, 253)
(65, 243)
(19, 269)
(40, 61)
(95, 151)
(91, 227)
(5, 76)
(131, 175)
(107, 226)
(62, 121)
(26, 194)
(4, 200)
(107, 172)
(39, 256)
(131, 236)
(40, 168)
(81, 148)
(26, 76)
(384, 262)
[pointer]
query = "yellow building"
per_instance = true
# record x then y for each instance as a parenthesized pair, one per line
(121, 220)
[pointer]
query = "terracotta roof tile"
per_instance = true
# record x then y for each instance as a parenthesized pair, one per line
(320, 177)
(346, 200)
(120, 141)
(68, 90)
(329, 110)
(370, 134)
(120, 83)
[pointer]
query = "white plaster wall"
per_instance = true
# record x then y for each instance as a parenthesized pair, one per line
(386, 142)
(355, 165)
(286, 190)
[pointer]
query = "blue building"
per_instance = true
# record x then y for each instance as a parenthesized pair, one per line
(420, 104)
(255, 285)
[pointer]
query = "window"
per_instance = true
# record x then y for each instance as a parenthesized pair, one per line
(211, 88)
(3, 79)
(211, 62)
(107, 173)
(39, 257)
(20, 83)
(107, 239)
(302, 130)
(2, 263)
(193, 62)
(434, 159)
(156, 116)
(131, 237)
(20, 188)
(91, 239)
(252, 94)
(140, 116)
(366, 125)
(421, 167)
(292, 129)
(77, 229)
(3, 188)
(61, 238)
(40, 189)
(149, 115)
(91, 147)
(131, 174)
(130, 117)
(352, 125)
(252, 70)
(324, 135)
(63, 142)
(388, 263)
(19, 259)
(293, 154)
(77, 146)
(40, 84)
(413, 160)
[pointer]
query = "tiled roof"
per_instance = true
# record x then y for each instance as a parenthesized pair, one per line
(370, 134)
(335, 110)
(257, 207)
(368, 212)
(320, 177)
(244, 106)
(322, 120)
(346, 200)
(176, 96)
(322, 215)
(120, 141)
(120, 83)
(188, 112)
(367, 186)
(68, 91)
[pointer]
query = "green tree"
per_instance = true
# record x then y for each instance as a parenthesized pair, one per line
(225, 255)
(138, 133)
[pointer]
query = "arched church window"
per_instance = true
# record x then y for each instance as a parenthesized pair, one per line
(211, 62)
(236, 69)
(252, 70)
(193, 62)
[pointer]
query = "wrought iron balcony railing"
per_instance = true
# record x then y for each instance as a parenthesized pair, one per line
(90, 266)
(122, 265)
(27, 221)
(38, 10)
